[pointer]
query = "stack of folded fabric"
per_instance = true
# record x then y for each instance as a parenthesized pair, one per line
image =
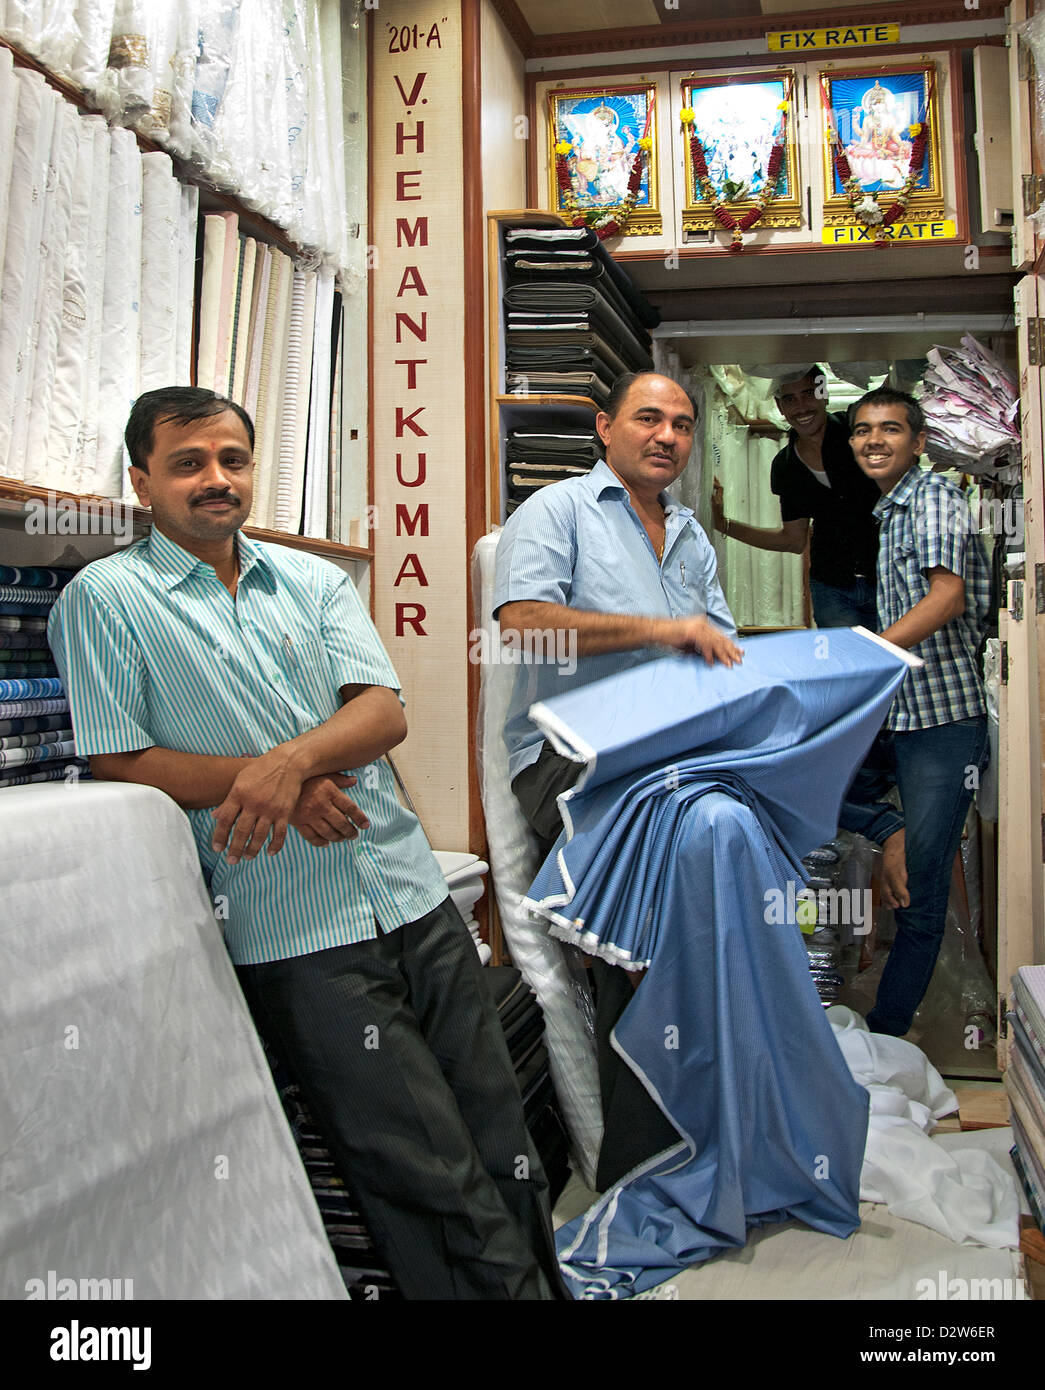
(36, 734)
(536, 459)
(573, 320)
(1025, 1083)
(971, 401)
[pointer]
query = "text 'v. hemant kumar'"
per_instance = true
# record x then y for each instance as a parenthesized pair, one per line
(528, 646)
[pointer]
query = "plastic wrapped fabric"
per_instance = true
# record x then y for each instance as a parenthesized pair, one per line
(45, 28)
(161, 257)
(66, 415)
(120, 351)
(94, 304)
(8, 122)
(53, 252)
(188, 212)
(317, 472)
(680, 839)
(37, 107)
(297, 369)
(551, 971)
(987, 793)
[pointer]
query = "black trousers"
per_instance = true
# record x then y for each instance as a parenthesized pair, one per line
(634, 1126)
(400, 1056)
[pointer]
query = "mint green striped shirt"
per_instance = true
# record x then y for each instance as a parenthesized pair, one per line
(155, 652)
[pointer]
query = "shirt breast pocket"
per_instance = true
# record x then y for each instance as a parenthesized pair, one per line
(308, 674)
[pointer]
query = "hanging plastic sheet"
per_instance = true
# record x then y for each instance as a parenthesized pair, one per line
(702, 789)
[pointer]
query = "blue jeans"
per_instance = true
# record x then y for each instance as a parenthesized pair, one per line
(854, 607)
(933, 772)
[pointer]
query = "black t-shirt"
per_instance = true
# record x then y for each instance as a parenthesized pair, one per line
(845, 535)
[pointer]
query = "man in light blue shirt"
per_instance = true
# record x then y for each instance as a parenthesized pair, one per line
(622, 573)
(247, 682)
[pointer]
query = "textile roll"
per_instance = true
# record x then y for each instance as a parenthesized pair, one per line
(119, 360)
(317, 511)
(37, 105)
(189, 196)
(90, 54)
(161, 257)
(32, 708)
(71, 358)
(8, 122)
(230, 270)
(270, 389)
(215, 231)
(286, 515)
(258, 309)
(87, 444)
(244, 307)
(54, 251)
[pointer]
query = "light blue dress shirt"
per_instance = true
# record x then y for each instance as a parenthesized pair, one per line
(155, 651)
(581, 544)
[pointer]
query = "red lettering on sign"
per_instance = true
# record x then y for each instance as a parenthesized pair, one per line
(419, 331)
(411, 233)
(411, 281)
(401, 185)
(411, 523)
(417, 615)
(408, 422)
(403, 135)
(415, 90)
(422, 471)
(411, 569)
(411, 364)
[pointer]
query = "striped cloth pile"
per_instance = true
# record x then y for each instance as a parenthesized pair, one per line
(1025, 1084)
(36, 734)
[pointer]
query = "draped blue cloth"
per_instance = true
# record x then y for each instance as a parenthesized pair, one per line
(703, 788)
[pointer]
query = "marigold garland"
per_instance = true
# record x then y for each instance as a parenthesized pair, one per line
(737, 225)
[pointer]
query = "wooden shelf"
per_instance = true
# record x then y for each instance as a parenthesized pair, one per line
(14, 495)
(585, 402)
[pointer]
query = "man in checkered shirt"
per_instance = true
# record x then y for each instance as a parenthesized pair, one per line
(933, 597)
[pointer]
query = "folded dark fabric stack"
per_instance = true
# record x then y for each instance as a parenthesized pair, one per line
(573, 319)
(536, 459)
(823, 941)
(361, 1266)
(1025, 1084)
(36, 733)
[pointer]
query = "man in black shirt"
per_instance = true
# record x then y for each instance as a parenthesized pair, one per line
(818, 480)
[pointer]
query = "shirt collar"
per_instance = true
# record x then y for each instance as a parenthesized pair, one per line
(175, 564)
(900, 494)
(602, 479)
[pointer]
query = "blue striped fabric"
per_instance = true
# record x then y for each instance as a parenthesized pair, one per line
(46, 688)
(155, 652)
(34, 577)
(36, 600)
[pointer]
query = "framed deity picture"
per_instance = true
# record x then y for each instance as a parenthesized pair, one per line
(881, 141)
(740, 155)
(603, 158)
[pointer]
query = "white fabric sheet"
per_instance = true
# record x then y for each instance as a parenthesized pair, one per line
(143, 1137)
(97, 256)
(189, 213)
(963, 1194)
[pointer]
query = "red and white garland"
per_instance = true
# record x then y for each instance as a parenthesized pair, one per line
(737, 225)
(865, 205)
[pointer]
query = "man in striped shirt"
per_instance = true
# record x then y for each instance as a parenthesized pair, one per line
(933, 596)
(244, 680)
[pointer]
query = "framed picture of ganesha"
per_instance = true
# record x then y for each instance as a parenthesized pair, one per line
(887, 124)
(603, 158)
(739, 149)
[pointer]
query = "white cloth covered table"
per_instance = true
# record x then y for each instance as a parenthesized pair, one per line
(142, 1136)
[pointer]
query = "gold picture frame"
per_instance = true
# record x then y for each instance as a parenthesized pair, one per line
(872, 110)
(603, 125)
(736, 118)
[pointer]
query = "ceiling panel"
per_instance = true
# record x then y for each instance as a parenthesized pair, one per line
(572, 16)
